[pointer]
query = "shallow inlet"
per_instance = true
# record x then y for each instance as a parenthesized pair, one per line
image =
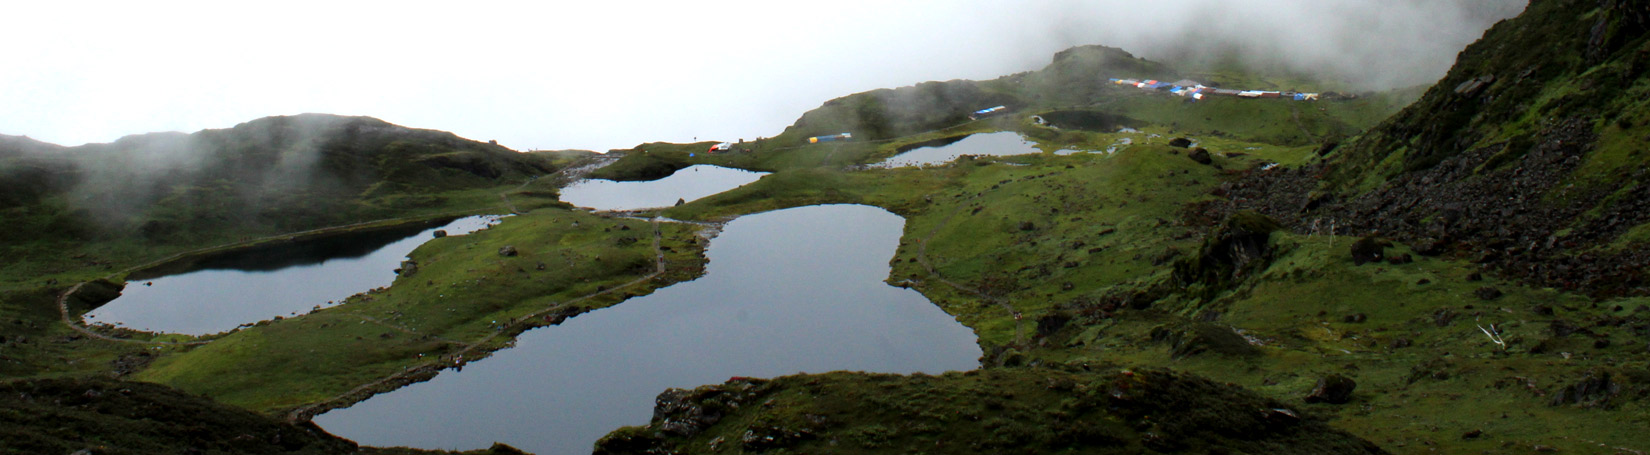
(687, 184)
(797, 290)
(245, 287)
(993, 144)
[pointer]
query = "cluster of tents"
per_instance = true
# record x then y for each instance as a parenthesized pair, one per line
(1194, 90)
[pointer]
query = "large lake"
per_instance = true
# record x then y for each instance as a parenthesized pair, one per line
(687, 184)
(797, 290)
(248, 286)
(985, 144)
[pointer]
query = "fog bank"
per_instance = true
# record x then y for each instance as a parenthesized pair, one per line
(611, 75)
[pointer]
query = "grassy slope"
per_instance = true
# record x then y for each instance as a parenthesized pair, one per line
(57, 234)
(1105, 411)
(1076, 80)
(1429, 376)
(463, 293)
(104, 416)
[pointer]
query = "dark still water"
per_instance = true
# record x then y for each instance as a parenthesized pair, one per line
(790, 291)
(690, 183)
(223, 292)
(988, 144)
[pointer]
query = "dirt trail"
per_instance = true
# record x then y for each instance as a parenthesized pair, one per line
(922, 258)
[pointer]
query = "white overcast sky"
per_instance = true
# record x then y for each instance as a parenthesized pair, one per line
(600, 75)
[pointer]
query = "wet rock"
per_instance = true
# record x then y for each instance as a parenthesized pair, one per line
(1180, 142)
(1328, 146)
(439, 233)
(1400, 259)
(1201, 156)
(408, 268)
(1595, 390)
(1443, 317)
(1051, 323)
(1332, 389)
(1369, 249)
(500, 448)
(1488, 293)
(508, 251)
(1194, 338)
(1562, 328)
(763, 438)
(1240, 247)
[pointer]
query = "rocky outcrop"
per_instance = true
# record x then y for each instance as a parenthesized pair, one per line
(1332, 389)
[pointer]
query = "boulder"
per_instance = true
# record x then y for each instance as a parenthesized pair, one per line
(439, 233)
(1201, 156)
(1332, 389)
(408, 268)
(508, 251)
(1369, 249)
(1180, 142)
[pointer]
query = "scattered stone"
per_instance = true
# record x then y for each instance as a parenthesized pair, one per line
(1475, 276)
(1400, 259)
(1474, 434)
(541, 266)
(508, 251)
(1201, 156)
(439, 233)
(1027, 226)
(1333, 389)
(1356, 318)
(1402, 343)
(1067, 286)
(1423, 282)
(1488, 293)
(1180, 142)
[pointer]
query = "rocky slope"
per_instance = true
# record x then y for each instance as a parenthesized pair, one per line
(1528, 157)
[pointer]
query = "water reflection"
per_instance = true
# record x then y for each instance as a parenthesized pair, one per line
(688, 184)
(796, 290)
(995, 144)
(225, 291)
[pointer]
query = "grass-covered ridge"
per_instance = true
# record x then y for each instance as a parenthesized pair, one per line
(1106, 411)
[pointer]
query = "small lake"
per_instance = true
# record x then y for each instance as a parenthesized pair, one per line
(688, 184)
(994, 144)
(797, 290)
(222, 292)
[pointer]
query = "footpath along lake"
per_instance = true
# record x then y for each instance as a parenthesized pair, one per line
(796, 290)
(244, 287)
(687, 184)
